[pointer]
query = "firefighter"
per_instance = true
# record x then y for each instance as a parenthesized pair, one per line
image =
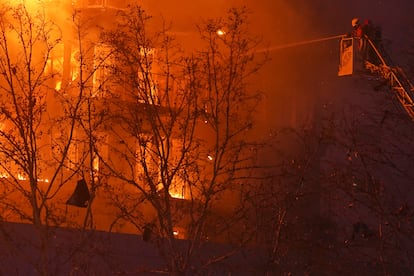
(362, 32)
(359, 32)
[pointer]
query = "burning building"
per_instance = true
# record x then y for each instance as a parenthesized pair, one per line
(97, 97)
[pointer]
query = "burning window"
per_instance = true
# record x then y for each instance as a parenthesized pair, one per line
(73, 157)
(148, 165)
(54, 65)
(146, 161)
(74, 65)
(178, 187)
(55, 61)
(103, 65)
(148, 90)
(95, 166)
(147, 85)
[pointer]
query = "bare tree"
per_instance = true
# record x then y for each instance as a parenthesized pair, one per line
(179, 150)
(37, 128)
(370, 171)
(359, 190)
(89, 86)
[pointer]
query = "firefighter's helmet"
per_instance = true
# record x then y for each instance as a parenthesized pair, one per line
(355, 21)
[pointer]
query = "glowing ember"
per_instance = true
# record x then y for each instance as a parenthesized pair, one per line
(220, 32)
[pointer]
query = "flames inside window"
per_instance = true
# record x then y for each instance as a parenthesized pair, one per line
(103, 64)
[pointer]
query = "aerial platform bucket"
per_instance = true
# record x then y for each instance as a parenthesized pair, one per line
(346, 56)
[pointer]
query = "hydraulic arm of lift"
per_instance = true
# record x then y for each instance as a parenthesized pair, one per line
(376, 62)
(397, 79)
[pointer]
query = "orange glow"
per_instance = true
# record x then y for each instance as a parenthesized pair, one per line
(22, 177)
(177, 189)
(4, 175)
(95, 163)
(220, 32)
(30, 4)
(176, 194)
(179, 232)
(58, 86)
(75, 64)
